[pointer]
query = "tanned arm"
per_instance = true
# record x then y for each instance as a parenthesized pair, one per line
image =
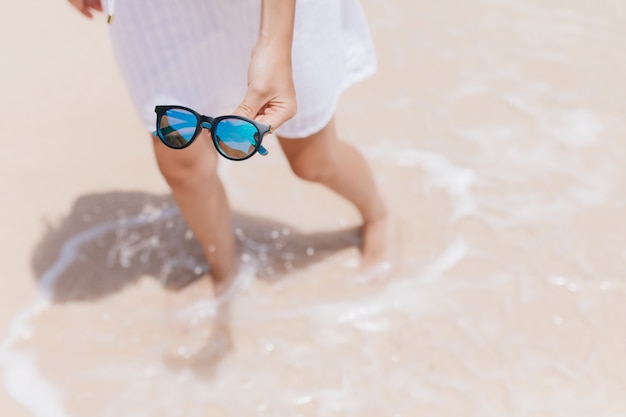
(271, 97)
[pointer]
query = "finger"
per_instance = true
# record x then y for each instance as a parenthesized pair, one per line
(250, 106)
(85, 11)
(81, 7)
(274, 119)
(277, 114)
(94, 4)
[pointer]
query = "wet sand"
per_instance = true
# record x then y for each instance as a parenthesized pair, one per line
(495, 130)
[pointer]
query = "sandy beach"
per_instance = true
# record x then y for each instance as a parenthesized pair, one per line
(495, 129)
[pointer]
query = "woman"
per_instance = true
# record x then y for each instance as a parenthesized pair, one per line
(288, 61)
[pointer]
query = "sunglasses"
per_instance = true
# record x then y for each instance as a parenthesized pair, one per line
(235, 137)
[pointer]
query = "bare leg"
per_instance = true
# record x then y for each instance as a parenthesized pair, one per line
(323, 158)
(192, 175)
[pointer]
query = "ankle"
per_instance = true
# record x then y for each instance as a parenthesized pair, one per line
(223, 278)
(379, 213)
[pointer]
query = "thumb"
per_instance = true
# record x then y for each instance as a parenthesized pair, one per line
(276, 114)
(250, 106)
(273, 112)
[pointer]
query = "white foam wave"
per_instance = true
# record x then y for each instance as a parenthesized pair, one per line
(441, 173)
(21, 377)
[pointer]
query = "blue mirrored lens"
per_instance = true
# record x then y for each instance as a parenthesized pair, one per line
(236, 138)
(177, 127)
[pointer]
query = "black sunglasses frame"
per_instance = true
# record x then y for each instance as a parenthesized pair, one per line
(262, 128)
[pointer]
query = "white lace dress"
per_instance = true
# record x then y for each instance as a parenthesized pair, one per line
(196, 52)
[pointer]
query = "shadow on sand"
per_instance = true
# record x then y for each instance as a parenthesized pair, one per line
(111, 240)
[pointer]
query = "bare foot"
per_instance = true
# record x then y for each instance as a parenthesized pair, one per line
(376, 244)
(190, 316)
(193, 309)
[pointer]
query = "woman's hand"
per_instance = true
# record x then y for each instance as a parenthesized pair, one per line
(86, 7)
(271, 96)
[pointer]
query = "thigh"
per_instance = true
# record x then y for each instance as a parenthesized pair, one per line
(186, 52)
(319, 145)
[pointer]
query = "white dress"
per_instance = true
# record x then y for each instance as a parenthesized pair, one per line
(196, 53)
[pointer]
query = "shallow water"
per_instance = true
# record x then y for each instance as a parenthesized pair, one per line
(499, 149)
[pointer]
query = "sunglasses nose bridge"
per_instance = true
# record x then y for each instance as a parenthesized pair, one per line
(206, 122)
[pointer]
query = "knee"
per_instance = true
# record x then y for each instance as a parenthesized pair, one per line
(184, 174)
(182, 169)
